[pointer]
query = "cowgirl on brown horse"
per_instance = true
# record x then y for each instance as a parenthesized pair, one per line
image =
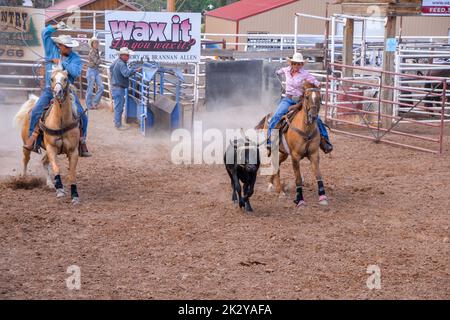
(305, 133)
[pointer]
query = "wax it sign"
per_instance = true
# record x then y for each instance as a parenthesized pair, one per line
(162, 36)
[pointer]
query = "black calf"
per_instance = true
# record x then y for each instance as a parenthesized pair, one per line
(242, 163)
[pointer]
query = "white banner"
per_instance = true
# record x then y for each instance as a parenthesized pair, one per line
(172, 37)
(436, 7)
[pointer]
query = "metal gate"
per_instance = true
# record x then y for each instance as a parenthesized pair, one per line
(354, 106)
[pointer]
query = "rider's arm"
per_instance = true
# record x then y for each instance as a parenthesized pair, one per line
(310, 78)
(281, 70)
(49, 45)
(125, 71)
(74, 67)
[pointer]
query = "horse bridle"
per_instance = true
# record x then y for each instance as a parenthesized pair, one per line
(65, 90)
(311, 118)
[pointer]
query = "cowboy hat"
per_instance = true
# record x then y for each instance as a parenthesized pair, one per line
(125, 50)
(298, 57)
(91, 40)
(66, 40)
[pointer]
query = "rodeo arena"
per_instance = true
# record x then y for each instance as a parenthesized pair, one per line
(172, 154)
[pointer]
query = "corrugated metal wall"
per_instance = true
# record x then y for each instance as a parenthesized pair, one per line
(281, 20)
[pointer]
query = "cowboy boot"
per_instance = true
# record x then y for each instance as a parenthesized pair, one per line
(83, 150)
(30, 144)
(325, 145)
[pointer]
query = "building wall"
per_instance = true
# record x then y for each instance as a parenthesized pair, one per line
(425, 26)
(217, 25)
(86, 20)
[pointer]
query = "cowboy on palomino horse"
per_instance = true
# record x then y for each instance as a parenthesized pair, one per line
(58, 51)
(295, 76)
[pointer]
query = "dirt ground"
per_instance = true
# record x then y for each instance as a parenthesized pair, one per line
(149, 229)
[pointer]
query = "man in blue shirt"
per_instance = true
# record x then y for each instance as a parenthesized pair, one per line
(58, 50)
(120, 74)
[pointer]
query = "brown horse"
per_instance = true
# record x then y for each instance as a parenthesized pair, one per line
(61, 132)
(302, 139)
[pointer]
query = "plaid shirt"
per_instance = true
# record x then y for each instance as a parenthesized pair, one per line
(94, 59)
(294, 84)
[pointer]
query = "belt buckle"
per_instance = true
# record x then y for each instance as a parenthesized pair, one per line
(295, 98)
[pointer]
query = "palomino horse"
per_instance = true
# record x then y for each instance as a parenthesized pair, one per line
(302, 139)
(61, 132)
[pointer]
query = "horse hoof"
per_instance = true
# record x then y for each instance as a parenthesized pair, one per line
(50, 185)
(323, 200)
(301, 204)
(270, 187)
(60, 193)
(282, 195)
(75, 200)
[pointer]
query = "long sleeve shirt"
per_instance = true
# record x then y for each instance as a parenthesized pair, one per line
(120, 73)
(72, 63)
(294, 84)
(94, 59)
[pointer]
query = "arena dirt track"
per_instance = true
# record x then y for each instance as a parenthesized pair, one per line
(148, 229)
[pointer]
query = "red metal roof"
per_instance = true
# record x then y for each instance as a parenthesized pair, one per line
(60, 8)
(246, 8)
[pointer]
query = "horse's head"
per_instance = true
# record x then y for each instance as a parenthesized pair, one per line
(59, 83)
(311, 101)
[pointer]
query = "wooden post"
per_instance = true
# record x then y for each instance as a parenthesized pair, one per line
(171, 6)
(388, 65)
(347, 50)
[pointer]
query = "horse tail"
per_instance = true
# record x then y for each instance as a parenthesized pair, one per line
(260, 125)
(19, 118)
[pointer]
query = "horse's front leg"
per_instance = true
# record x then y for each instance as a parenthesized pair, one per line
(51, 154)
(314, 158)
(299, 200)
(73, 161)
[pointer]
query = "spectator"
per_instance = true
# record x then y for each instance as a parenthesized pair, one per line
(93, 75)
(120, 74)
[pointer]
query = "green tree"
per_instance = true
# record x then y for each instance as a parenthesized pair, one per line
(43, 3)
(11, 3)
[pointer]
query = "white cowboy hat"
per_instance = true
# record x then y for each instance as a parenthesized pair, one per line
(125, 50)
(66, 40)
(298, 57)
(91, 40)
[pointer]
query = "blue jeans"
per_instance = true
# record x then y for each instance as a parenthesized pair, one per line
(44, 101)
(93, 77)
(118, 95)
(282, 109)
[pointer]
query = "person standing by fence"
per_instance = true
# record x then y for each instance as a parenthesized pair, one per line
(93, 75)
(120, 74)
